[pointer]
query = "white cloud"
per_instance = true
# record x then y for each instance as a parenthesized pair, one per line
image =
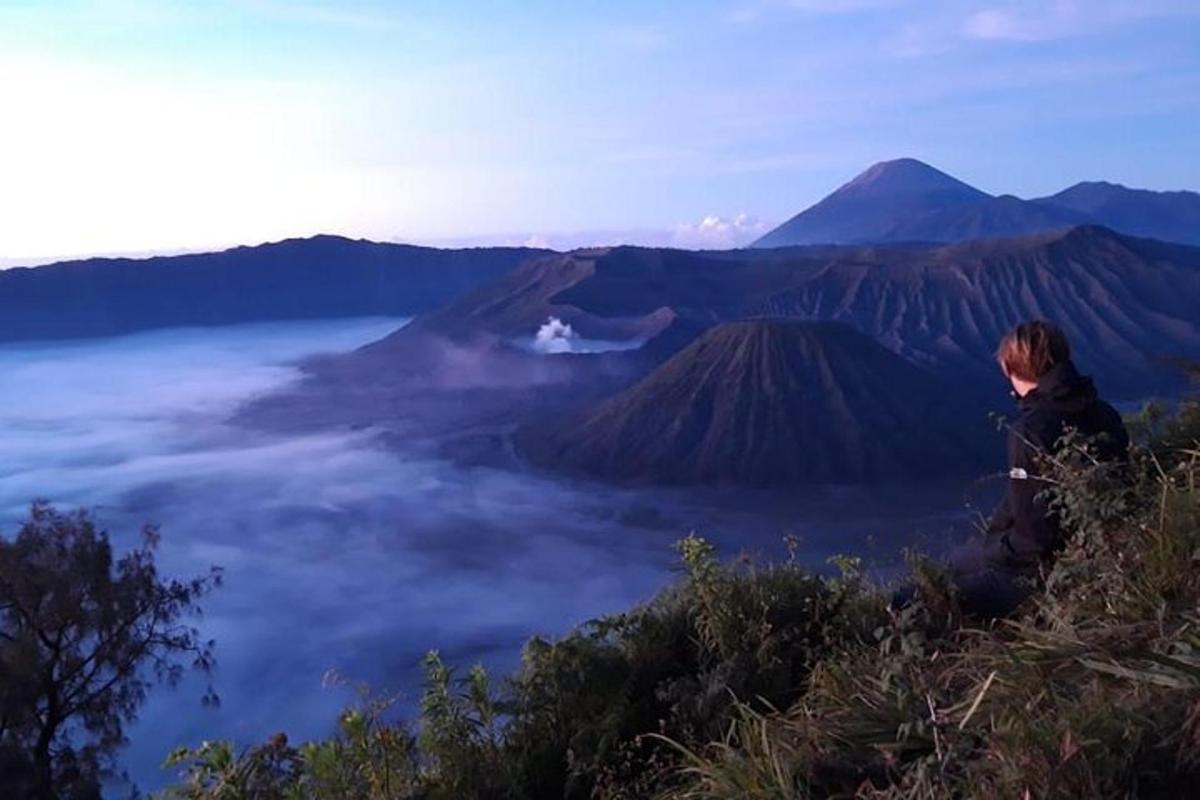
(1061, 19)
(754, 11)
(936, 30)
(711, 232)
(994, 24)
(719, 233)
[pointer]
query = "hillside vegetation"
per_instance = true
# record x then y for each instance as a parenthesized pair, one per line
(767, 681)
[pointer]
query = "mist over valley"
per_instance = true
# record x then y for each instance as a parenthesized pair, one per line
(390, 450)
(721, 400)
(352, 551)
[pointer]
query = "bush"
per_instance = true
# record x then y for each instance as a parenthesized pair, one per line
(367, 759)
(571, 721)
(745, 681)
(1093, 690)
(675, 667)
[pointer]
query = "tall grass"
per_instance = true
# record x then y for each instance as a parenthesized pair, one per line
(1092, 690)
(745, 681)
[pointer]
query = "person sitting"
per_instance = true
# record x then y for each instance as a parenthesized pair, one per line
(1024, 534)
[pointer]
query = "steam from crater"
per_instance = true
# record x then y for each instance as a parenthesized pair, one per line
(555, 336)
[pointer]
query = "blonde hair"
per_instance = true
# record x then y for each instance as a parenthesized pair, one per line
(1032, 349)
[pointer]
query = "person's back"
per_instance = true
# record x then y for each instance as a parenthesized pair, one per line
(1053, 398)
(994, 576)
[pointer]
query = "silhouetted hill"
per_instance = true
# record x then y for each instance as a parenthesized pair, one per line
(324, 276)
(909, 201)
(767, 402)
(1174, 216)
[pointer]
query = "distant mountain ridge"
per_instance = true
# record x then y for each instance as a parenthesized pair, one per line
(774, 402)
(1124, 301)
(322, 276)
(906, 200)
(1171, 216)
(891, 346)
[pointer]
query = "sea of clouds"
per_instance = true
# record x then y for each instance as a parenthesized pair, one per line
(340, 554)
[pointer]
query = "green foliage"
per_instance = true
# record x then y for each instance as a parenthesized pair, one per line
(572, 721)
(83, 636)
(460, 738)
(767, 681)
(1164, 430)
(1093, 690)
(674, 667)
(367, 759)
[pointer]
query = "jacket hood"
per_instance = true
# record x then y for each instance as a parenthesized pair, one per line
(1063, 389)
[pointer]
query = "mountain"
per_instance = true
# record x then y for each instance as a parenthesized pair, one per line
(871, 206)
(1125, 302)
(908, 201)
(324, 276)
(771, 402)
(485, 329)
(1173, 216)
(994, 217)
(1127, 305)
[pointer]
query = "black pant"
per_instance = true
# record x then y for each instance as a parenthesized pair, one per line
(987, 587)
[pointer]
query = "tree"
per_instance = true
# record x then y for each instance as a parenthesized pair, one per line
(83, 637)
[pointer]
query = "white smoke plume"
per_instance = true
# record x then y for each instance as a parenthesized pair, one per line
(555, 336)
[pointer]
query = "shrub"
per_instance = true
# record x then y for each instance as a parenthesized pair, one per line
(677, 666)
(1093, 690)
(744, 681)
(367, 759)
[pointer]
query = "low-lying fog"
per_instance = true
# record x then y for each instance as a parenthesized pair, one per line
(341, 555)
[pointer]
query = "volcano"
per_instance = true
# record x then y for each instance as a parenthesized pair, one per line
(774, 402)
(870, 208)
(906, 200)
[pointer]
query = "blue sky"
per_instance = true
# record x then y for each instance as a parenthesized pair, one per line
(131, 127)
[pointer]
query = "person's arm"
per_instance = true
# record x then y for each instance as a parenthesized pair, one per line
(1002, 519)
(1032, 534)
(995, 547)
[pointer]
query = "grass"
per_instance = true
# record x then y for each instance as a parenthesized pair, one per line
(744, 681)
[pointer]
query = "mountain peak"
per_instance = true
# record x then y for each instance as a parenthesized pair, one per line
(873, 204)
(904, 176)
(771, 401)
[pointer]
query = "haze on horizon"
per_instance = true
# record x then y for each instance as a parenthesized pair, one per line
(133, 128)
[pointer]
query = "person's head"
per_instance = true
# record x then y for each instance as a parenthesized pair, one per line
(1029, 351)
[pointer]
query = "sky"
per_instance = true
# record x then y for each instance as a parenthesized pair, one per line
(139, 127)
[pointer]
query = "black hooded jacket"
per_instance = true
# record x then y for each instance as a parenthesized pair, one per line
(1024, 532)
